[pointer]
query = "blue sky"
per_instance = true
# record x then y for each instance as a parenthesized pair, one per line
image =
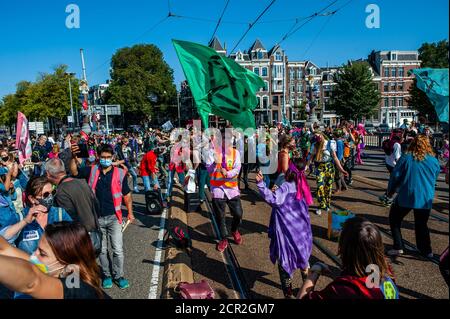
(34, 37)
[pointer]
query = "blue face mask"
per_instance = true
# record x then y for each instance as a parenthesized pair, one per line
(105, 162)
(91, 158)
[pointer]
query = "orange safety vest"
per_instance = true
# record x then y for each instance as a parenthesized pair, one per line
(217, 179)
(116, 187)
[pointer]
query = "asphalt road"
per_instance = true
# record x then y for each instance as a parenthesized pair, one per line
(416, 277)
(140, 243)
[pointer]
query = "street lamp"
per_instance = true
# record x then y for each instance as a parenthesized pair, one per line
(312, 118)
(70, 74)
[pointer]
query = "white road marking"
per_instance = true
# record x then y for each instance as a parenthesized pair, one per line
(154, 283)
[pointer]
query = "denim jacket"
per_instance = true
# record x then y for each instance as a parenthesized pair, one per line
(8, 214)
(28, 239)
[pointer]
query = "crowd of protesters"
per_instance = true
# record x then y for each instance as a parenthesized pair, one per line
(69, 197)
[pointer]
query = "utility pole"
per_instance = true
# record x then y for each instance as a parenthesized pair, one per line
(71, 102)
(87, 124)
(284, 120)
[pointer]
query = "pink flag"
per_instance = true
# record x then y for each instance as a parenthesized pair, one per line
(23, 143)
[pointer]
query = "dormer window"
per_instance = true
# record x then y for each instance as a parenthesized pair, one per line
(278, 56)
(260, 55)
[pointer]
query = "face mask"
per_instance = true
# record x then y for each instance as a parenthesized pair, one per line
(105, 162)
(91, 158)
(47, 202)
(5, 159)
(46, 269)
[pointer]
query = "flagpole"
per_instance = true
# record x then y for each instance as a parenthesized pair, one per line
(284, 89)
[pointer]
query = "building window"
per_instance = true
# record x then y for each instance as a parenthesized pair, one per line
(299, 88)
(386, 87)
(256, 70)
(400, 87)
(264, 71)
(265, 102)
(277, 71)
(393, 102)
(386, 102)
(400, 101)
(266, 86)
(394, 72)
(312, 71)
(394, 56)
(386, 72)
(393, 85)
(401, 72)
(278, 56)
(375, 117)
(260, 55)
(275, 100)
(299, 73)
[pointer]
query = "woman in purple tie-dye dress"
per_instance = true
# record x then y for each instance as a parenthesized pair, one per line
(290, 227)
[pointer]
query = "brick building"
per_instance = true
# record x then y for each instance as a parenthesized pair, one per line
(392, 77)
(287, 84)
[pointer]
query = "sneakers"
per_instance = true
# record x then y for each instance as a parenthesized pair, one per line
(222, 245)
(122, 283)
(385, 200)
(395, 252)
(318, 212)
(429, 256)
(286, 286)
(107, 283)
(237, 237)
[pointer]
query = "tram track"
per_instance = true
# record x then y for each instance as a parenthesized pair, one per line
(232, 265)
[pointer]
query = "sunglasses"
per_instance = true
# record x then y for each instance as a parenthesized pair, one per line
(47, 194)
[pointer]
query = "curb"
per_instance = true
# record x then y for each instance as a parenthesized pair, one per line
(177, 266)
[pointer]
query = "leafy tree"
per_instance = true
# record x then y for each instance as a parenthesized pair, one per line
(12, 103)
(355, 96)
(48, 97)
(141, 79)
(432, 55)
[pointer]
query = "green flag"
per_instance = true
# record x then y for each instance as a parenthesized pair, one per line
(434, 82)
(219, 85)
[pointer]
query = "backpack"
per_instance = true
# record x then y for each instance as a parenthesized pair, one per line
(179, 237)
(387, 147)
